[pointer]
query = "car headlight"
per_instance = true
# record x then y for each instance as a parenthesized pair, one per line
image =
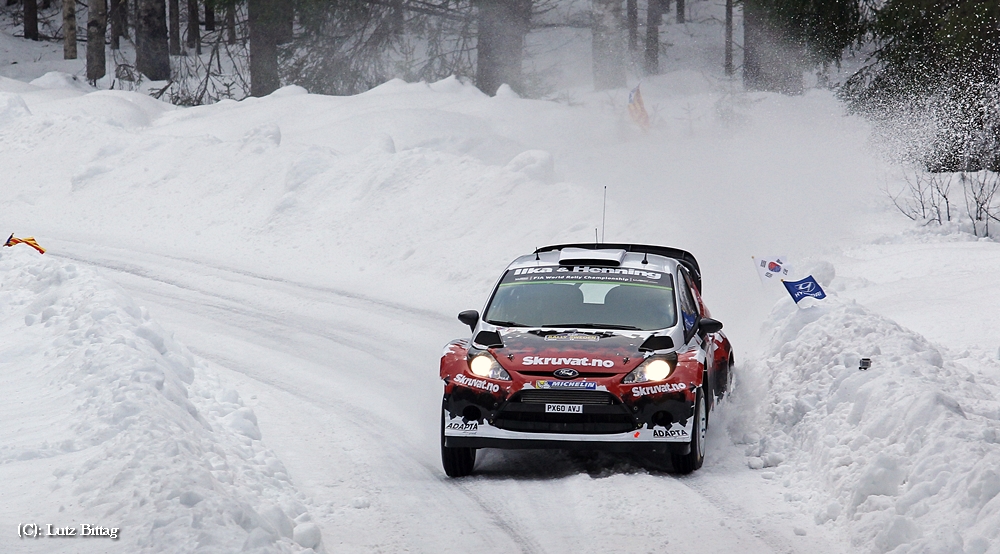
(656, 368)
(485, 365)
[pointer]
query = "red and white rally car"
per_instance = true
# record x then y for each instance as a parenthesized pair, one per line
(587, 346)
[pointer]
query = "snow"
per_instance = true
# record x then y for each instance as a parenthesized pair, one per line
(232, 341)
(110, 418)
(907, 450)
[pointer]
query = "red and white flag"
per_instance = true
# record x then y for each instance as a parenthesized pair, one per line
(772, 269)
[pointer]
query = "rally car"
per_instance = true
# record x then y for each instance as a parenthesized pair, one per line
(587, 346)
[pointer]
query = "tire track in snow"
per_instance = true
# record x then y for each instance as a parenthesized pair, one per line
(117, 264)
(732, 511)
(400, 452)
(498, 517)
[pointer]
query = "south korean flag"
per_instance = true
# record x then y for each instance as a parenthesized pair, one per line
(772, 269)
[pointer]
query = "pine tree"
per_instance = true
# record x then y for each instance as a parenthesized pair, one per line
(944, 57)
(784, 37)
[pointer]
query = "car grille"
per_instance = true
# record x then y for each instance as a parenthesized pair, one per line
(603, 413)
(556, 396)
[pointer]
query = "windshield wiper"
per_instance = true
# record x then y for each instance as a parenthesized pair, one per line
(594, 326)
(505, 323)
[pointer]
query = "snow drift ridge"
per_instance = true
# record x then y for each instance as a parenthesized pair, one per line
(123, 427)
(905, 454)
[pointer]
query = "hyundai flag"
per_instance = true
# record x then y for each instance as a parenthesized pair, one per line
(803, 288)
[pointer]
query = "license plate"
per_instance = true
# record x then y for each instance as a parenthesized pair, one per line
(564, 408)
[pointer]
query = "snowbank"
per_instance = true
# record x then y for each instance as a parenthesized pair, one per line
(117, 425)
(904, 456)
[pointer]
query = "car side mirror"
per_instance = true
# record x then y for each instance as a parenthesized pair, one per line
(470, 318)
(708, 325)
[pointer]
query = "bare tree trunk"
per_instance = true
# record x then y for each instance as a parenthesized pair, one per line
(286, 21)
(728, 63)
(231, 23)
(654, 16)
(31, 19)
(69, 29)
(97, 24)
(193, 27)
(175, 27)
(608, 45)
(209, 16)
(502, 26)
(152, 57)
(632, 16)
(264, 20)
(115, 11)
(398, 16)
(680, 11)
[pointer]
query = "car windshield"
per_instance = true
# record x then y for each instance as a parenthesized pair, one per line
(584, 297)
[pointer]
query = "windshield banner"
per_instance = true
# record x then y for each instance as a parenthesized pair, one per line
(585, 274)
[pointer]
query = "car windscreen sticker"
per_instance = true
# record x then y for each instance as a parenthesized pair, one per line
(560, 337)
(585, 273)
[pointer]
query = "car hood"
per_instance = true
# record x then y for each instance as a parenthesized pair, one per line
(589, 351)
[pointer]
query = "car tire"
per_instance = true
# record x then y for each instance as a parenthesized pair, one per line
(686, 463)
(457, 462)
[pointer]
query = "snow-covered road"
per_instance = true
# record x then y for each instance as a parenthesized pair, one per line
(345, 391)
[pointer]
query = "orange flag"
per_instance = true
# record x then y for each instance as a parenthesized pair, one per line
(30, 241)
(637, 110)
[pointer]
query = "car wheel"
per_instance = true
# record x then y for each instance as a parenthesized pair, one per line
(721, 381)
(686, 463)
(457, 462)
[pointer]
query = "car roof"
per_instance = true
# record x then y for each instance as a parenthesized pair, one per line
(683, 256)
(638, 256)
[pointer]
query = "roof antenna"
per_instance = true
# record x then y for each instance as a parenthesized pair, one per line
(596, 242)
(604, 212)
(644, 256)
(536, 255)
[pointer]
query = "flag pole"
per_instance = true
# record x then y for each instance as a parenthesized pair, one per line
(604, 212)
